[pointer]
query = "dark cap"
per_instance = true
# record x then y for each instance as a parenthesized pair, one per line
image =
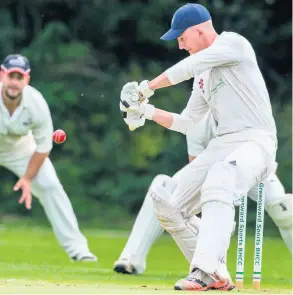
(16, 63)
(185, 17)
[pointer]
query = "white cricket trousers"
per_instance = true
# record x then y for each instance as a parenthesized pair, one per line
(230, 166)
(48, 189)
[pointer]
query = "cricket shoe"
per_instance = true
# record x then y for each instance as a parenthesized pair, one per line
(88, 257)
(124, 266)
(198, 280)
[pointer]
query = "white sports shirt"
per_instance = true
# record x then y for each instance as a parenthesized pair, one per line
(29, 128)
(201, 134)
(228, 83)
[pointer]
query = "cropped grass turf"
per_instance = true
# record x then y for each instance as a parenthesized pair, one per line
(32, 262)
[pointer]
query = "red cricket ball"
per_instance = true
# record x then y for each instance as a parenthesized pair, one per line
(59, 136)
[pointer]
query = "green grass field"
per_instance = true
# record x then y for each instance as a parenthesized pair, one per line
(33, 262)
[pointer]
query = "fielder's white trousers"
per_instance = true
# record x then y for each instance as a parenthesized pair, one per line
(48, 189)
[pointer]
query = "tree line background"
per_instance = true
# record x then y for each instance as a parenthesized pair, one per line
(82, 53)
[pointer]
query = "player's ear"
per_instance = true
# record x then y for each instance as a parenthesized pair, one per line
(1, 74)
(28, 78)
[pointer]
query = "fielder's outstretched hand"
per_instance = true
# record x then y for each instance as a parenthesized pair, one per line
(26, 197)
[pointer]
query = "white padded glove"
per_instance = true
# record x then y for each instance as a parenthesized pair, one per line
(135, 116)
(144, 90)
(132, 119)
(144, 109)
(133, 94)
(129, 95)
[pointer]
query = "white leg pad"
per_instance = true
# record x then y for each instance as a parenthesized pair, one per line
(281, 213)
(183, 230)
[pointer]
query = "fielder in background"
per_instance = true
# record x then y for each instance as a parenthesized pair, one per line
(231, 86)
(26, 131)
(147, 229)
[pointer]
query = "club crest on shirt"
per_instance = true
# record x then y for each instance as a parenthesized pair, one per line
(201, 85)
(219, 85)
(27, 122)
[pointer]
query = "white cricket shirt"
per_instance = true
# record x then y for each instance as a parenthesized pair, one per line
(229, 83)
(199, 136)
(29, 126)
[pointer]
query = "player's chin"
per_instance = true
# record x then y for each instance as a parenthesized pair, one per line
(193, 51)
(13, 97)
(13, 94)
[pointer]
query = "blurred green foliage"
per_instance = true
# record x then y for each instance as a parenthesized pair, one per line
(82, 52)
